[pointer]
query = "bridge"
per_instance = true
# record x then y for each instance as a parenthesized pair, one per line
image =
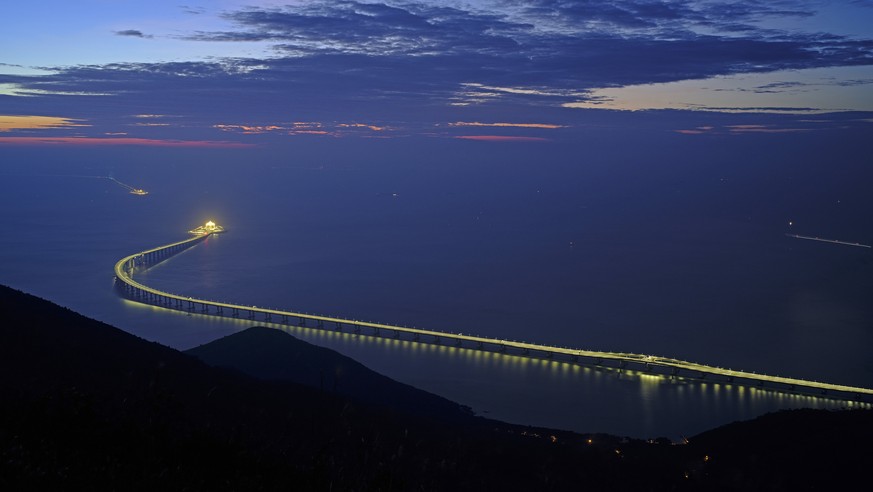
(128, 287)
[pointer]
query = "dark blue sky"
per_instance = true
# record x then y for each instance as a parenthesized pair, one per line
(220, 73)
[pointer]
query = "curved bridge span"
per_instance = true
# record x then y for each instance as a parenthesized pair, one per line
(128, 266)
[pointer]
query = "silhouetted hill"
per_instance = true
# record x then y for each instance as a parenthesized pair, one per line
(86, 406)
(790, 450)
(271, 354)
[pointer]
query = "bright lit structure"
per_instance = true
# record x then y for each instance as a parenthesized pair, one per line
(656, 366)
(209, 228)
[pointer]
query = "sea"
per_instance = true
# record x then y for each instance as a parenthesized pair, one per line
(674, 247)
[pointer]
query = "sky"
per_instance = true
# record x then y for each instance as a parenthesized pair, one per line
(247, 73)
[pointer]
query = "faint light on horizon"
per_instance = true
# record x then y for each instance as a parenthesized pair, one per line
(816, 90)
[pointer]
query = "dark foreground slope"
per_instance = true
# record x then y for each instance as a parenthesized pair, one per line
(800, 449)
(271, 354)
(86, 406)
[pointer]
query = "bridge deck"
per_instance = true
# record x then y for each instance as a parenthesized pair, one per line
(134, 290)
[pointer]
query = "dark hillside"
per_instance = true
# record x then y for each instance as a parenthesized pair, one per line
(790, 450)
(271, 354)
(86, 406)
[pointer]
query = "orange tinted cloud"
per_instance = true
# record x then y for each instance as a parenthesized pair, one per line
(511, 125)
(29, 122)
(361, 125)
(501, 138)
(118, 141)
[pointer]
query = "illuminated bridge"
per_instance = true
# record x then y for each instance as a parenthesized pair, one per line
(674, 368)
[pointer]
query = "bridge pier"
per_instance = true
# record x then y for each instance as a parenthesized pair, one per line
(436, 339)
(235, 313)
(251, 314)
(338, 327)
(268, 317)
(396, 335)
(376, 331)
(357, 329)
(301, 321)
(458, 342)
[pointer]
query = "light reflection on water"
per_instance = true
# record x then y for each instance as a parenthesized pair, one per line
(543, 392)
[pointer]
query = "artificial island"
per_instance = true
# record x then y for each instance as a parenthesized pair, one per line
(127, 267)
(207, 229)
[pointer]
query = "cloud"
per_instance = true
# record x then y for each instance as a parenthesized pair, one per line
(301, 128)
(548, 48)
(362, 125)
(133, 33)
(735, 129)
(370, 28)
(249, 129)
(32, 122)
(193, 10)
(409, 66)
(507, 125)
(763, 129)
(658, 16)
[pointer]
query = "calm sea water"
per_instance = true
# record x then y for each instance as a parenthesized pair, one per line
(601, 250)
